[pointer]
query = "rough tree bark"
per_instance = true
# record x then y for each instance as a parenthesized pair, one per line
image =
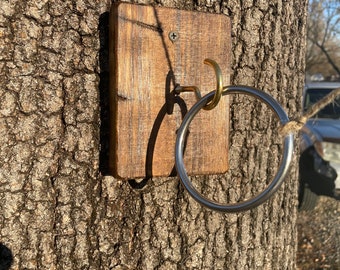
(58, 209)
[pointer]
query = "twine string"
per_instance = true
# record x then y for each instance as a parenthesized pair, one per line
(296, 124)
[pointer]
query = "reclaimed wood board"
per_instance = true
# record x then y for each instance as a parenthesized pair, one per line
(152, 49)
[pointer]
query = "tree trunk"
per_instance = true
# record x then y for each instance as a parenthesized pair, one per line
(58, 209)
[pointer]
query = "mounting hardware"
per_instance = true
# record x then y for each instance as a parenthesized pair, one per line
(151, 111)
(173, 36)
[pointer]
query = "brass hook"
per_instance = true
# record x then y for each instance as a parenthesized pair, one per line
(219, 86)
(179, 89)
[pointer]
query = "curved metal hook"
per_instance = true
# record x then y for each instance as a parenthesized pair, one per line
(219, 84)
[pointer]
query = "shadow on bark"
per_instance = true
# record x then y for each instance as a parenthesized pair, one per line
(6, 257)
(103, 28)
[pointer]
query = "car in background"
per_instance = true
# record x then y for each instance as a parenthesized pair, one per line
(319, 164)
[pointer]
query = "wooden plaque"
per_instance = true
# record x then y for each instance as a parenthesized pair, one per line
(152, 49)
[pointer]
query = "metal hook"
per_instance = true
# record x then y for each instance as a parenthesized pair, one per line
(219, 86)
(179, 89)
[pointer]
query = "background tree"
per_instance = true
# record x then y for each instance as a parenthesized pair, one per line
(57, 208)
(323, 30)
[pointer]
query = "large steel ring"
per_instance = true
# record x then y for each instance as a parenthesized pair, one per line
(273, 185)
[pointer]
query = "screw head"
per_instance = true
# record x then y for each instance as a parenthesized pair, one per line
(173, 36)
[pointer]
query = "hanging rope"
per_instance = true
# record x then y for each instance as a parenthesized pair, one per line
(297, 124)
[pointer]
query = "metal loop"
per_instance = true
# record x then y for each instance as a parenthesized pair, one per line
(274, 184)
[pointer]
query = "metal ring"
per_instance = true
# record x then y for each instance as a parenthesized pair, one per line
(279, 177)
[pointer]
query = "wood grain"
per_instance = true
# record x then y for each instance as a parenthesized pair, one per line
(145, 66)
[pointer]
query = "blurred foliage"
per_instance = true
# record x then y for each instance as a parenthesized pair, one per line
(323, 38)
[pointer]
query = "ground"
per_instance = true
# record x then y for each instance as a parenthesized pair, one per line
(319, 237)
